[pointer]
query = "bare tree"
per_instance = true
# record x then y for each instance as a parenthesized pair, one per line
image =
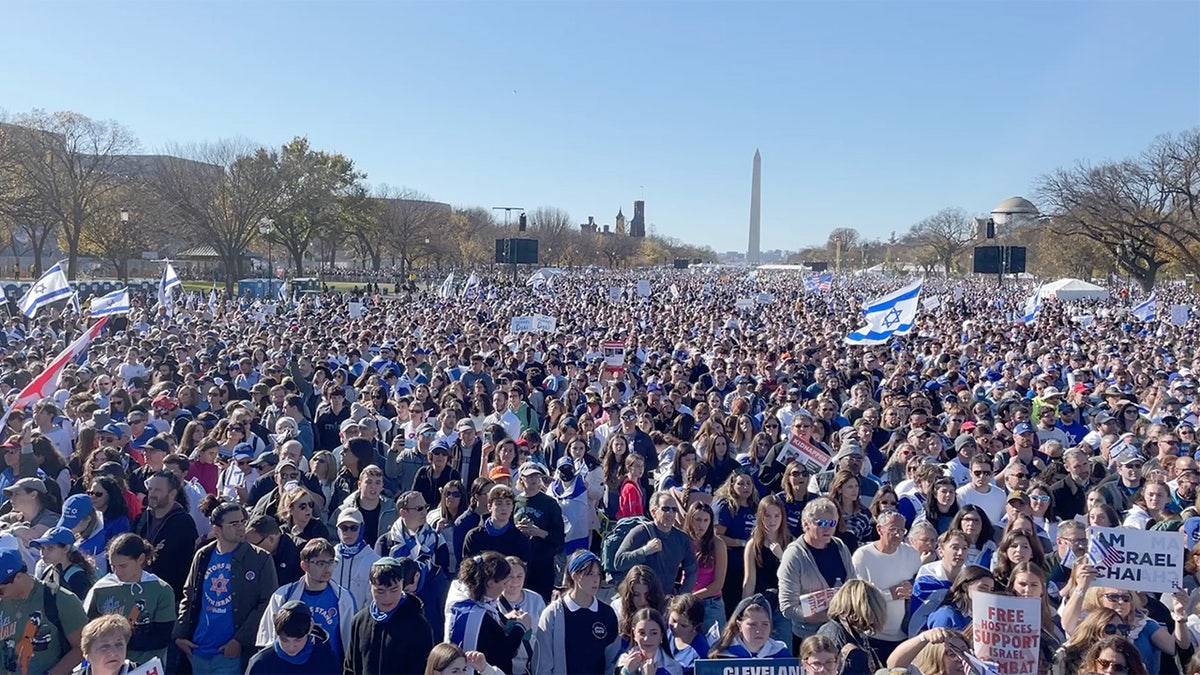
(947, 233)
(409, 223)
(552, 227)
(219, 193)
(71, 163)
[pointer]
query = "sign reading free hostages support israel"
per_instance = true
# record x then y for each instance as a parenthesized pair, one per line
(1137, 560)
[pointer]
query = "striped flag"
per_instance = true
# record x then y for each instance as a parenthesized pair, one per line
(1146, 310)
(1103, 554)
(116, 302)
(49, 288)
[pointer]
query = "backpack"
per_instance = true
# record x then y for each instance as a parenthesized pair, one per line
(612, 541)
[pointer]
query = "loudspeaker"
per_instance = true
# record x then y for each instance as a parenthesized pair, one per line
(523, 251)
(817, 266)
(987, 260)
(1016, 260)
(501, 250)
(681, 263)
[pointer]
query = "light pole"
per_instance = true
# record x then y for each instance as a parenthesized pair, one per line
(1013, 210)
(124, 225)
(265, 227)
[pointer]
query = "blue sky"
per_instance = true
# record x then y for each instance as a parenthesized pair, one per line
(869, 115)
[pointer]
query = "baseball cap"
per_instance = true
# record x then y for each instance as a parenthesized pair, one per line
(271, 458)
(349, 516)
(112, 428)
(287, 462)
(26, 484)
(850, 448)
(1130, 456)
(963, 440)
(164, 402)
(243, 451)
(530, 468)
(440, 446)
(10, 564)
(347, 424)
(465, 423)
(1018, 496)
(564, 461)
(156, 444)
(55, 535)
(1023, 428)
(75, 509)
(499, 472)
(1102, 418)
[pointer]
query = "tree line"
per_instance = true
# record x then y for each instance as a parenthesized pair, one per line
(85, 185)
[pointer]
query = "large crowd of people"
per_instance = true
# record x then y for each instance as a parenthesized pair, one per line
(278, 487)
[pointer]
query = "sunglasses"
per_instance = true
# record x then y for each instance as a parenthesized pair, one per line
(351, 527)
(1118, 597)
(1112, 667)
(423, 507)
(455, 493)
(307, 506)
(669, 509)
(97, 493)
(1117, 629)
(1021, 475)
(981, 474)
(1039, 498)
(824, 523)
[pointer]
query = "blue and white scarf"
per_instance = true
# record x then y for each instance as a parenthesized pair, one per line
(419, 547)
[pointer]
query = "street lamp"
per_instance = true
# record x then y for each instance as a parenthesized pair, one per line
(1013, 210)
(265, 227)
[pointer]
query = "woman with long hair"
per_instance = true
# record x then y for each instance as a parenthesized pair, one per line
(760, 445)
(955, 611)
(325, 469)
(62, 562)
(518, 598)
(973, 522)
(1015, 547)
(747, 633)
(684, 458)
(1098, 624)
(51, 463)
(719, 458)
(938, 651)
(632, 498)
(795, 495)
(854, 519)
(735, 504)
(941, 504)
(741, 436)
(193, 433)
(650, 648)
(764, 552)
(476, 623)
(685, 618)
(856, 610)
(108, 503)
(1152, 639)
(33, 506)
(296, 514)
(1115, 654)
(1029, 581)
(711, 562)
(204, 467)
(639, 589)
(442, 518)
(1149, 505)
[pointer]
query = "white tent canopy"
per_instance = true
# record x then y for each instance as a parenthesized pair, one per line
(1073, 289)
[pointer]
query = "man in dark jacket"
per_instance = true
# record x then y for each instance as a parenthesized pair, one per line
(168, 526)
(227, 590)
(263, 531)
(390, 635)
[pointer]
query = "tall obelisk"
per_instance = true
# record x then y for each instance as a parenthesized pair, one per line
(753, 255)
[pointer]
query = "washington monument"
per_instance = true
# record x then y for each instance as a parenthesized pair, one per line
(752, 252)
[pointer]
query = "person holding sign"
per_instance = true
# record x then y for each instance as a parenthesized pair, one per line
(938, 651)
(1151, 638)
(955, 611)
(813, 566)
(747, 634)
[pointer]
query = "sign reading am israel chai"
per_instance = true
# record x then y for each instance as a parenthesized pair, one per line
(1137, 560)
(789, 666)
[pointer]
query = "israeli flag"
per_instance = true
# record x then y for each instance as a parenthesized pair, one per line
(1033, 306)
(1147, 310)
(169, 282)
(49, 287)
(283, 291)
(471, 288)
(116, 302)
(212, 300)
(446, 290)
(893, 314)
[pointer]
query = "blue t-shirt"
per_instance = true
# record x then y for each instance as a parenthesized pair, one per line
(324, 608)
(738, 521)
(216, 606)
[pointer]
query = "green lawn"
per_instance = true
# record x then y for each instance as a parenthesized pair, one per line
(204, 286)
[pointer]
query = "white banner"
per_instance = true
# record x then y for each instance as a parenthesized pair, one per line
(1179, 314)
(543, 323)
(764, 298)
(1137, 560)
(356, 310)
(1007, 631)
(614, 293)
(643, 288)
(151, 667)
(521, 324)
(744, 303)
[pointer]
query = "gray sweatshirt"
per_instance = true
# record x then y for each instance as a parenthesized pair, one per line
(676, 552)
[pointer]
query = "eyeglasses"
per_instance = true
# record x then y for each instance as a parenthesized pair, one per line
(1117, 629)
(348, 527)
(289, 476)
(822, 665)
(669, 509)
(422, 507)
(824, 523)
(428, 434)
(307, 506)
(323, 564)
(981, 473)
(1020, 475)
(454, 493)
(1118, 597)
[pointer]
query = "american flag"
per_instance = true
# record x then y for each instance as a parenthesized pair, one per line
(818, 282)
(1102, 554)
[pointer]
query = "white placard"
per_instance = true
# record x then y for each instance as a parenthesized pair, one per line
(544, 324)
(1137, 560)
(356, 310)
(521, 324)
(1179, 314)
(1007, 631)
(643, 288)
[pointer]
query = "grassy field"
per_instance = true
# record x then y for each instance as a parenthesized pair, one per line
(204, 286)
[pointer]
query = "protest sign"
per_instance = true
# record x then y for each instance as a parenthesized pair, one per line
(788, 666)
(356, 310)
(812, 604)
(614, 354)
(1179, 314)
(813, 457)
(764, 298)
(151, 667)
(544, 324)
(930, 304)
(614, 293)
(1007, 631)
(744, 303)
(521, 324)
(643, 288)
(1137, 560)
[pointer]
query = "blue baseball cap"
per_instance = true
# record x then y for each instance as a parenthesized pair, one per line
(55, 535)
(10, 564)
(243, 450)
(1023, 428)
(75, 509)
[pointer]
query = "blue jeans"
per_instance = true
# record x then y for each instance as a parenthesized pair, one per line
(781, 627)
(714, 613)
(216, 665)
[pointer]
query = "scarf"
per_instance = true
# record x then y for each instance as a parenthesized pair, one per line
(772, 649)
(563, 492)
(491, 529)
(382, 616)
(348, 551)
(300, 658)
(420, 546)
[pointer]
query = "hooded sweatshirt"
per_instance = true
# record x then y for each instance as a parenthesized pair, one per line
(148, 603)
(397, 642)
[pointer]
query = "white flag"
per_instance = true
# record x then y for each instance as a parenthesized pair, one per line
(893, 314)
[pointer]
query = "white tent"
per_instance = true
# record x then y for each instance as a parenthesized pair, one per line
(1073, 289)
